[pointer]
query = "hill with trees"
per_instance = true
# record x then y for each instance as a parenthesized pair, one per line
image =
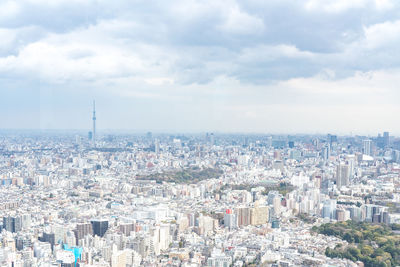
(376, 245)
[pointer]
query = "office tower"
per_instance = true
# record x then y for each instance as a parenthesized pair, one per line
(341, 215)
(127, 228)
(386, 139)
(23, 241)
(78, 140)
(317, 143)
(326, 152)
(259, 214)
(26, 221)
(356, 214)
(149, 135)
(212, 139)
(157, 146)
(291, 144)
(380, 142)
(276, 202)
(12, 224)
(332, 139)
(342, 175)
(7, 224)
(373, 212)
(243, 216)
(49, 238)
(367, 147)
(317, 178)
(396, 156)
(230, 220)
(94, 124)
(351, 161)
(269, 141)
(99, 227)
(82, 230)
(329, 209)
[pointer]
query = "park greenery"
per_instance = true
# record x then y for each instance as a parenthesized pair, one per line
(283, 188)
(376, 245)
(189, 176)
(306, 218)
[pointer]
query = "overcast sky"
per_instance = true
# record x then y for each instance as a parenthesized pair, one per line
(267, 66)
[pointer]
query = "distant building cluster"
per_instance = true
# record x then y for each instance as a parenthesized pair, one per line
(218, 200)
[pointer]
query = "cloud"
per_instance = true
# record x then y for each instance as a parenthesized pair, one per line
(201, 57)
(382, 35)
(239, 22)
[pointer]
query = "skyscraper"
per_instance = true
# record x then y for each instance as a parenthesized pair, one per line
(230, 220)
(99, 227)
(83, 229)
(342, 175)
(386, 139)
(12, 224)
(326, 152)
(367, 147)
(351, 161)
(94, 124)
(157, 146)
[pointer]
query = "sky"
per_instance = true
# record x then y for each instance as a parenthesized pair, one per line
(276, 66)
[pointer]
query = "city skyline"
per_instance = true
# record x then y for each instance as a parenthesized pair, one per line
(191, 201)
(190, 133)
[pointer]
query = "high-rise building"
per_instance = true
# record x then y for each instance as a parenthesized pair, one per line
(243, 216)
(326, 152)
(149, 135)
(329, 209)
(332, 139)
(386, 139)
(342, 175)
(259, 214)
(82, 230)
(212, 139)
(230, 220)
(127, 228)
(99, 227)
(269, 141)
(367, 147)
(351, 161)
(48, 237)
(291, 144)
(276, 202)
(12, 224)
(157, 146)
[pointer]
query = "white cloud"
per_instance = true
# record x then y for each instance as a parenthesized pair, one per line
(7, 37)
(239, 22)
(159, 81)
(8, 9)
(54, 63)
(380, 35)
(336, 6)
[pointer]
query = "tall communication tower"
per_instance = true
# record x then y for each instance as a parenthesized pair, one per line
(94, 124)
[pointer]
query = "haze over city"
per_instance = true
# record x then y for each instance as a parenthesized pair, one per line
(196, 66)
(191, 133)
